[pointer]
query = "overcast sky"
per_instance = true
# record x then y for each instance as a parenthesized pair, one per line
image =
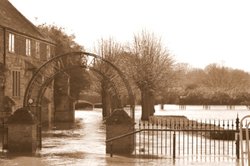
(197, 32)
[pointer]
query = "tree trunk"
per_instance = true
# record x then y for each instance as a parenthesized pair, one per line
(147, 102)
(151, 104)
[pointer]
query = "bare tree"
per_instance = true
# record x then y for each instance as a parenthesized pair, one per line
(108, 78)
(150, 68)
(220, 78)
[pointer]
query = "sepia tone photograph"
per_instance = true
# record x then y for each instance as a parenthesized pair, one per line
(124, 82)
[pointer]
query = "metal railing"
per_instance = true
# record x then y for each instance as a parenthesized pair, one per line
(110, 141)
(167, 137)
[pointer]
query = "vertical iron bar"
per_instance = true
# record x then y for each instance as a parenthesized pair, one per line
(40, 131)
(183, 138)
(144, 139)
(170, 140)
(157, 127)
(153, 126)
(7, 138)
(201, 136)
(214, 135)
(39, 127)
(166, 137)
(111, 149)
(232, 142)
(205, 136)
(192, 137)
(210, 137)
(223, 138)
(197, 127)
(5, 135)
(188, 125)
(139, 139)
(237, 140)
(179, 136)
(161, 137)
(148, 139)
(228, 135)
(219, 138)
(174, 144)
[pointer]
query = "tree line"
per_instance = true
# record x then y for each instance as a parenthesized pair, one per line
(213, 85)
(153, 74)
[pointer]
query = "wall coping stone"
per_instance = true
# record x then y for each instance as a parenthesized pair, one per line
(22, 116)
(119, 116)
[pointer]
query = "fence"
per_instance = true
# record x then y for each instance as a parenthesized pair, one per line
(178, 136)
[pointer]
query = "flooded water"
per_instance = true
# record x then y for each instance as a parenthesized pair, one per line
(83, 143)
(197, 112)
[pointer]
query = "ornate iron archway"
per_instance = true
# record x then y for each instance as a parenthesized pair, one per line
(47, 72)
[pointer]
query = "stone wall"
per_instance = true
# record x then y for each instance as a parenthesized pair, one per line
(22, 138)
(22, 131)
(119, 123)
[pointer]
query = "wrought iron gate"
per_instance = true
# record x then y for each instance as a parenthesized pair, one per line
(175, 137)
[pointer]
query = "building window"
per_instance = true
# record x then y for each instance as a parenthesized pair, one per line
(37, 49)
(11, 42)
(48, 52)
(16, 83)
(28, 47)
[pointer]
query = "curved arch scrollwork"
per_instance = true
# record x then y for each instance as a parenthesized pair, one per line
(48, 71)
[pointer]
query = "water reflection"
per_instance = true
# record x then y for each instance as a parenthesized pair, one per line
(83, 140)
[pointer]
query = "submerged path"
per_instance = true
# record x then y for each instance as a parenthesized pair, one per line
(84, 144)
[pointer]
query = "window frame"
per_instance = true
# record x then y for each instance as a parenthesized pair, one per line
(16, 83)
(48, 51)
(37, 48)
(27, 47)
(11, 48)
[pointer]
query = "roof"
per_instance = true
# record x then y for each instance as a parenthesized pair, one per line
(12, 19)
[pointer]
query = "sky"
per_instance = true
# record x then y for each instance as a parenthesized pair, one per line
(197, 32)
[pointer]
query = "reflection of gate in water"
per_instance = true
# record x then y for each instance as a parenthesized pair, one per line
(177, 136)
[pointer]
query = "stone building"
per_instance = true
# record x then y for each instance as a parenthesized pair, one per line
(22, 50)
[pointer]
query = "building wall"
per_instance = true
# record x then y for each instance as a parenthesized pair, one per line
(20, 66)
(1, 45)
(1, 72)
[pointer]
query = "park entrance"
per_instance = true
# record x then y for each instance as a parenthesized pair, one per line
(117, 85)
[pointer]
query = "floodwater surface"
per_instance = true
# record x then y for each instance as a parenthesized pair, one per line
(83, 143)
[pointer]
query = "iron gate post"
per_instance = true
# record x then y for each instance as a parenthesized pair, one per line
(4, 135)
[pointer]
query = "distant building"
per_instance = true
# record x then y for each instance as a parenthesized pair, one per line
(22, 50)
